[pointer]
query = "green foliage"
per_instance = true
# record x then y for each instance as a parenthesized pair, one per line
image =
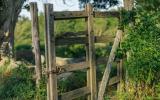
(149, 4)
(18, 85)
(141, 43)
(99, 4)
(77, 80)
(23, 43)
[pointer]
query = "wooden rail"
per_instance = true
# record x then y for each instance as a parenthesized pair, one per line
(75, 94)
(69, 15)
(73, 67)
(64, 15)
(83, 40)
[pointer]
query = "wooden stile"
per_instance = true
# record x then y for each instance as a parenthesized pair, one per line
(69, 38)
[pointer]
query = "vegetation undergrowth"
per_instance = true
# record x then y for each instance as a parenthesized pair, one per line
(141, 44)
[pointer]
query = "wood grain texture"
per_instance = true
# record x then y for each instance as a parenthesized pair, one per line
(92, 63)
(105, 77)
(64, 15)
(49, 24)
(36, 41)
(72, 67)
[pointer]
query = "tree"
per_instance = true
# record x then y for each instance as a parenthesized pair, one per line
(10, 10)
(99, 4)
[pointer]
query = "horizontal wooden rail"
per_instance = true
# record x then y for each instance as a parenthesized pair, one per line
(69, 15)
(72, 67)
(75, 94)
(106, 14)
(64, 15)
(82, 40)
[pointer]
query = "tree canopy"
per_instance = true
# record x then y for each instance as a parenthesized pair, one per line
(100, 4)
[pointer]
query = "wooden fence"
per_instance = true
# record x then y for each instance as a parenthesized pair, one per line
(85, 37)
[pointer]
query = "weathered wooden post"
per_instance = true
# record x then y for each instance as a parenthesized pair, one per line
(35, 41)
(87, 54)
(106, 75)
(91, 55)
(50, 52)
(128, 4)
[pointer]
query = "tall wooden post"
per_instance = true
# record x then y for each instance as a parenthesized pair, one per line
(87, 55)
(50, 49)
(91, 54)
(35, 41)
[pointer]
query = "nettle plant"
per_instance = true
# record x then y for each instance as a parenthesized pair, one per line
(142, 41)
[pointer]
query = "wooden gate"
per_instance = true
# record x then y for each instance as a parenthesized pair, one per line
(86, 38)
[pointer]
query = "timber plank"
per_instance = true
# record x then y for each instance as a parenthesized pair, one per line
(72, 67)
(82, 40)
(75, 93)
(64, 15)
